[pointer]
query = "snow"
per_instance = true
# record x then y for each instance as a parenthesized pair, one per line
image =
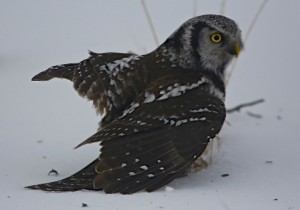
(41, 122)
(169, 189)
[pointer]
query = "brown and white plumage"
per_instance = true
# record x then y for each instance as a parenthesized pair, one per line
(161, 109)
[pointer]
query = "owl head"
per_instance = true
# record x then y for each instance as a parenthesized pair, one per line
(207, 42)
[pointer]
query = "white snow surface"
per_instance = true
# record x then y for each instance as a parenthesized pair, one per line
(41, 122)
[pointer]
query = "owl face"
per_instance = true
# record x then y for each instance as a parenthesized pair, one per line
(216, 47)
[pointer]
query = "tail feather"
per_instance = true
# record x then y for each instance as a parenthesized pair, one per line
(83, 179)
(65, 71)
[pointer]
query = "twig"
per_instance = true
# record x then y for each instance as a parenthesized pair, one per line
(251, 114)
(239, 107)
(150, 22)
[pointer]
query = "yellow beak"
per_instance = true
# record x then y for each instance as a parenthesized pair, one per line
(237, 49)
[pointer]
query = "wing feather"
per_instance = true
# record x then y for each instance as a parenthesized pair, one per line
(159, 151)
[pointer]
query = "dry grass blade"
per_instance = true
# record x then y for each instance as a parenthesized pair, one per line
(259, 11)
(253, 22)
(222, 7)
(150, 22)
(195, 8)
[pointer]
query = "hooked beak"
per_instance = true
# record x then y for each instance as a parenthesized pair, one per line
(237, 49)
(234, 49)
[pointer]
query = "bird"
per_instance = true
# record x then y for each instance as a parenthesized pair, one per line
(160, 109)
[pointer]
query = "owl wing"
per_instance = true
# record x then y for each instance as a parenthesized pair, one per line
(159, 136)
(110, 80)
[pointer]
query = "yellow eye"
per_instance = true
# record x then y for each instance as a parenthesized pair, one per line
(216, 38)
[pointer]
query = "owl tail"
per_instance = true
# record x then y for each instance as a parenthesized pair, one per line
(65, 71)
(83, 179)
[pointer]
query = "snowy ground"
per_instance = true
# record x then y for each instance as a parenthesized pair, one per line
(40, 123)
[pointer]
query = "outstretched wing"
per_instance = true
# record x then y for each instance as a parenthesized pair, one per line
(159, 136)
(110, 80)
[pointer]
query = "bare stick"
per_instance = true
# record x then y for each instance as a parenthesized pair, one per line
(222, 7)
(195, 8)
(259, 11)
(239, 107)
(150, 22)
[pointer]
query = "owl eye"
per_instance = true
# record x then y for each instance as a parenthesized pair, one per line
(216, 38)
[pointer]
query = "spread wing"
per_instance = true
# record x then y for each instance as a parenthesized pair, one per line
(110, 80)
(159, 136)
